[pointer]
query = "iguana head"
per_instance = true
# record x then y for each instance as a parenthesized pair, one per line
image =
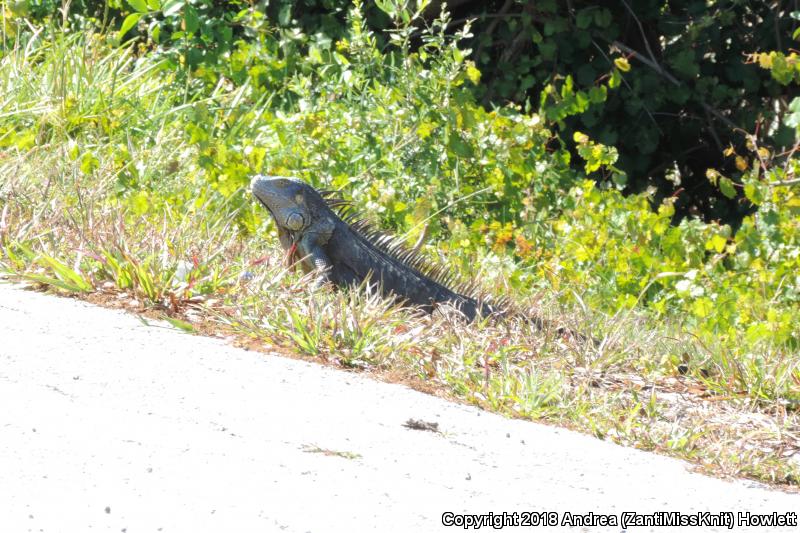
(288, 201)
(301, 215)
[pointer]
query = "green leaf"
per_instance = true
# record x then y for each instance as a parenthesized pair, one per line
(702, 307)
(173, 7)
(548, 49)
(339, 58)
(726, 187)
(129, 22)
(685, 63)
(314, 54)
(584, 18)
(20, 8)
(140, 203)
(74, 150)
(75, 279)
(598, 95)
(756, 332)
(716, 243)
(620, 179)
(459, 147)
(387, 7)
(180, 324)
(603, 18)
(89, 163)
(285, 14)
(138, 5)
(191, 19)
(46, 280)
(615, 80)
(793, 119)
(473, 74)
(755, 191)
(155, 31)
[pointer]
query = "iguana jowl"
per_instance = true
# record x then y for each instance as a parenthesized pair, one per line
(320, 230)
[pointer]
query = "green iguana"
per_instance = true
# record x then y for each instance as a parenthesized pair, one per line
(321, 231)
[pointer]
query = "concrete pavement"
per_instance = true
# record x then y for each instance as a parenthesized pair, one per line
(107, 424)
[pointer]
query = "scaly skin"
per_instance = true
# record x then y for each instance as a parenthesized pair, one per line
(341, 255)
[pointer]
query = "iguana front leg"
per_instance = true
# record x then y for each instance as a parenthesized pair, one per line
(311, 251)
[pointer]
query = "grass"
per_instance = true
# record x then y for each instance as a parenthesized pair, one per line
(101, 198)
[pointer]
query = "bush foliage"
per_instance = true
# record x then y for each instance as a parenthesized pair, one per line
(683, 93)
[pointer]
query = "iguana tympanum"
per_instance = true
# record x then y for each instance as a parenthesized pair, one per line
(321, 231)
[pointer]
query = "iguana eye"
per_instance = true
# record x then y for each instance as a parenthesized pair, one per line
(295, 221)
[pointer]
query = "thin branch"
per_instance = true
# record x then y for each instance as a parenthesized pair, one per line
(484, 16)
(628, 85)
(789, 157)
(776, 25)
(754, 140)
(664, 166)
(435, 7)
(519, 41)
(783, 183)
(490, 30)
(714, 131)
(641, 30)
(660, 70)
(652, 64)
